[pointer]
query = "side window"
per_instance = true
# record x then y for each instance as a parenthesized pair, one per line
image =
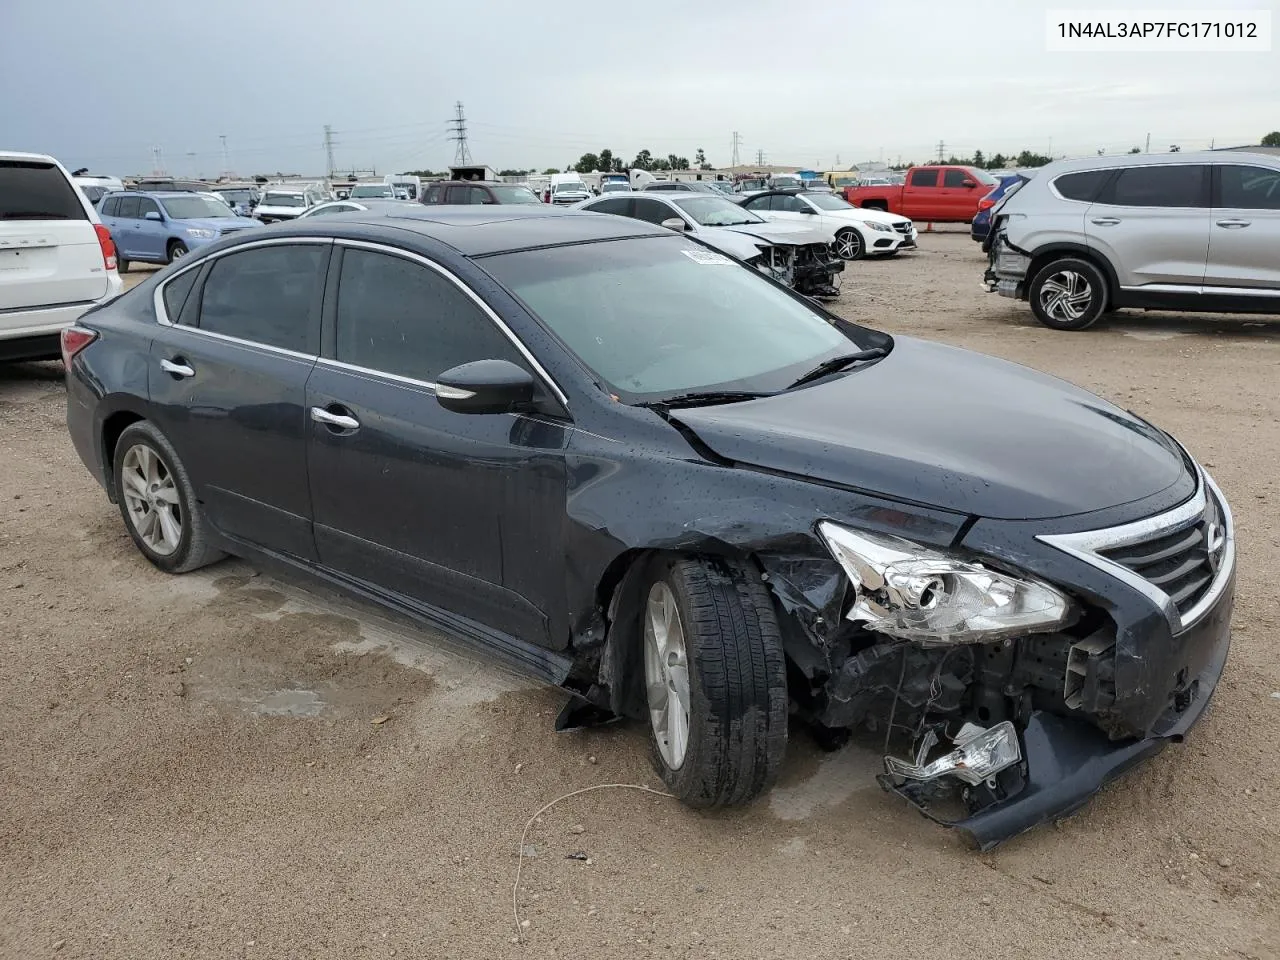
(1167, 186)
(128, 208)
(786, 203)
(109, 207)
(435, 195)
(479, 195)
(146, 205)
(954, 178)
(757, 203)
(924, 178)
(268, 295)
(1081, 186)
(176, 291)
(459, 195)
(652, 211)
(400, 317)
(615, 205)
(1248, 188)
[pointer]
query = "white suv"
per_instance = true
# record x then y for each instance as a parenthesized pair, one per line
(56, 258)
(1179, 231)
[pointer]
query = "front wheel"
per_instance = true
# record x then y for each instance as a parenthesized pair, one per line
(177, 250)
(849, 245)
(715, 682)
(1068, 294)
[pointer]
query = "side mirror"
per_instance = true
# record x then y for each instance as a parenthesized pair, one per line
(806, 209)
(485, 386)
(674, 223)
(153, 215)
(970, 184)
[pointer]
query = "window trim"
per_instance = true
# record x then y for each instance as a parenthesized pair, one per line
(539, 370)
(162, 315)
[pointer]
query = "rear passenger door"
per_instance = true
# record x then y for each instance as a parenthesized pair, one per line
(228, 371)
(1244, 245)
(1152, 223)
(460, 512)
(124, 229)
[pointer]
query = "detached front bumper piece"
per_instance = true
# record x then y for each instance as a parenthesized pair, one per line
(1067, 760)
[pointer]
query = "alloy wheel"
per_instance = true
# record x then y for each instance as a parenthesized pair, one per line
(151, 499)
(666, 671)
(1066, 295)
(848, 245)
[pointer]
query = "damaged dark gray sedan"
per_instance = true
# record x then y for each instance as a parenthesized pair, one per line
(662, 481)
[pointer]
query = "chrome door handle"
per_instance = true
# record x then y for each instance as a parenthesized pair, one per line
(177, 369)
(321, 415)
(1234, 224)
(1106, 221)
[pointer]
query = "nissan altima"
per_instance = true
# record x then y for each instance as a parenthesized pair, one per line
(653, 476)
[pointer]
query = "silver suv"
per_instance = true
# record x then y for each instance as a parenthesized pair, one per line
(1182, 231)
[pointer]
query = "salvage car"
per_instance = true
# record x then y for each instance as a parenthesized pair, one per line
(854, 232)
(795, 256)
(1186, 231)
(648, 474)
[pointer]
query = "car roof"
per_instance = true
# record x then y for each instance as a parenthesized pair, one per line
(158, 194)
(1155, 159)
(476, 231)
(14, 155)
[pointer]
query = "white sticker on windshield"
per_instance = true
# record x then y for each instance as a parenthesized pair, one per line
(706, 256)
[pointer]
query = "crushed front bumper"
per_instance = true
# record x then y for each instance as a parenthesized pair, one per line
(1066, 760)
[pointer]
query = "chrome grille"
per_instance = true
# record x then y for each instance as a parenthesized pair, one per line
(903, 228)
(1182, 563)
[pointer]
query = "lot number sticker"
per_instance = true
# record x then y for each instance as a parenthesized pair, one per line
(706, 257)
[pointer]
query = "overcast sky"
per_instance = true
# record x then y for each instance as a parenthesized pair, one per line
(542, 83)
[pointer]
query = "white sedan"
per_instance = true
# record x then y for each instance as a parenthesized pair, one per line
(855, 232)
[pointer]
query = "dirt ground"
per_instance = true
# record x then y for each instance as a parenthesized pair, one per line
(194, 766)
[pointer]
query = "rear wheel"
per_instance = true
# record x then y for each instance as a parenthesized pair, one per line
(849, 245)
(158, 503)
(1068, 294)
(177, 250)
(715, 682)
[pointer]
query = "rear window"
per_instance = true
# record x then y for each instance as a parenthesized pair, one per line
(30, 190)
(1081, 186)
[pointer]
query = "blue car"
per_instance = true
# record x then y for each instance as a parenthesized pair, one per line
(981, 224)
(163, 226)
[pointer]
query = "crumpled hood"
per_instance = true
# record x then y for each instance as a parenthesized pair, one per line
(776, 233)
(957, 430)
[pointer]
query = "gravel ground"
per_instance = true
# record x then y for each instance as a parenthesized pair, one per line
(200, 766)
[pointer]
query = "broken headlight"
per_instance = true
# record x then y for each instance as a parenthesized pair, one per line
(917, 593)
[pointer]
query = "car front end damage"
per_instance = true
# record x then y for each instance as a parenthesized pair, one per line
(810, 269)
(1007, 679)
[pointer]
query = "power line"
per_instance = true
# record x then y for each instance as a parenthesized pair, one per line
(462, 155)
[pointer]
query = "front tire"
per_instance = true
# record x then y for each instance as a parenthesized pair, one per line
(849, 245)
(715, 682)
(158, 503)
(1068, 294)
(177, 250)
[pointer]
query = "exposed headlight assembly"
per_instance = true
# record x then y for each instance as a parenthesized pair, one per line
(927, 596)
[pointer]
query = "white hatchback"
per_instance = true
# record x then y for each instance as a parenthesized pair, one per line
(855, 232)
(56, 258)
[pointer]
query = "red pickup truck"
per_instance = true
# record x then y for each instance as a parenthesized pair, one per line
(933, 194)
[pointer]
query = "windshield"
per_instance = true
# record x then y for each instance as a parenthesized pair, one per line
(372, 190)
(236, 196)
(283, 200)
(614, 188)
(784, 182)
(659, 317)
(712, 211)
(513, 194)
(195, 208)
(982, 176)
(572, 187)
(828, 201)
